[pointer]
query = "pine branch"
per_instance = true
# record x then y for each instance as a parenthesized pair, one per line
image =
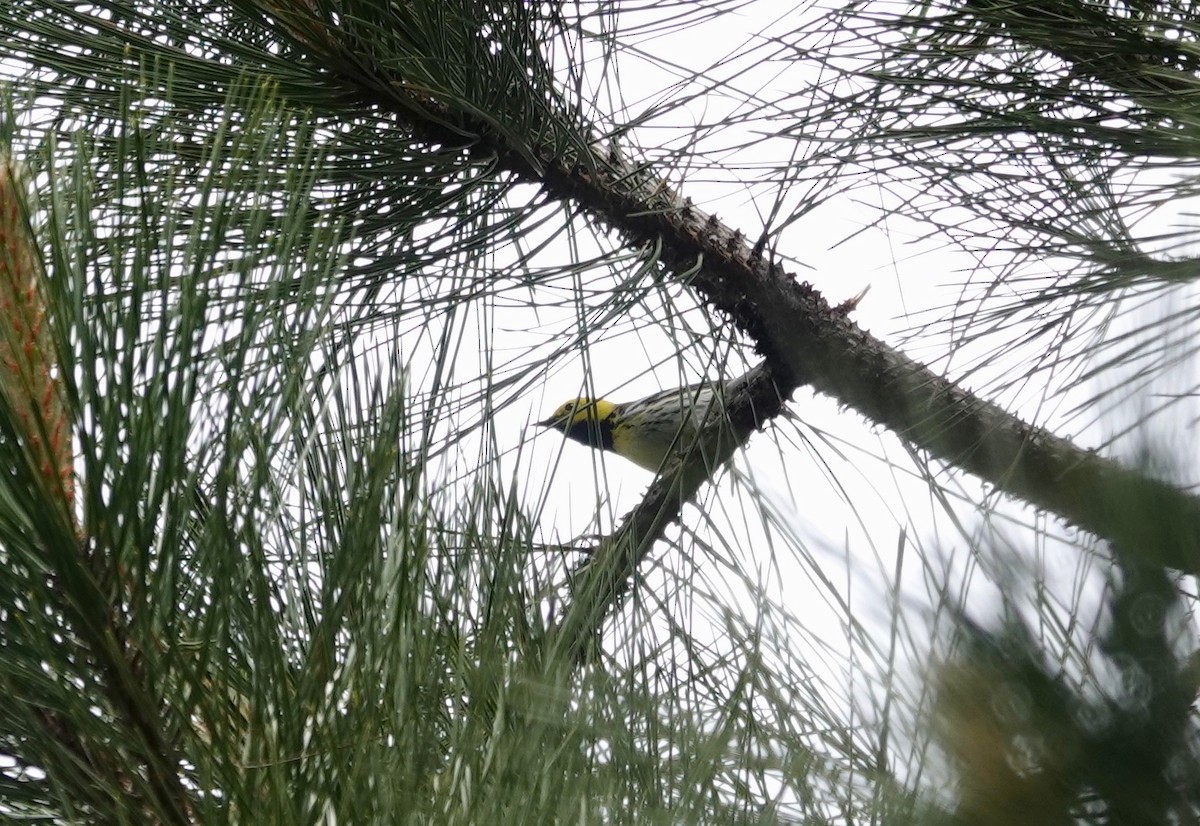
(30, 375)
(804, 339)
(34, 408)
(1154, 71)
(611, 565)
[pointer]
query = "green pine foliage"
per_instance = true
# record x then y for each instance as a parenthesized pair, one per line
(301, 572)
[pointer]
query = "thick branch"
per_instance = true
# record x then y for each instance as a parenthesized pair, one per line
(815, 344)
(803, 338)
(807, 342)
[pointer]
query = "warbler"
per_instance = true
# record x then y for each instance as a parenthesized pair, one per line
(646, 431)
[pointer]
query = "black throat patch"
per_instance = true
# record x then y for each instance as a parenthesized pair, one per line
(597, 433)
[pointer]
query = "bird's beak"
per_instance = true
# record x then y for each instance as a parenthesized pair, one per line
(551, 422)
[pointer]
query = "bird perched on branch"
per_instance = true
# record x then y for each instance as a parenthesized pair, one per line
(696, 418)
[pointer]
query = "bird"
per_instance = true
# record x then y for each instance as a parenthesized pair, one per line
(648, 430)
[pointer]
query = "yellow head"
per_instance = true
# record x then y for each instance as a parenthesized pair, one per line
(589, 421)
